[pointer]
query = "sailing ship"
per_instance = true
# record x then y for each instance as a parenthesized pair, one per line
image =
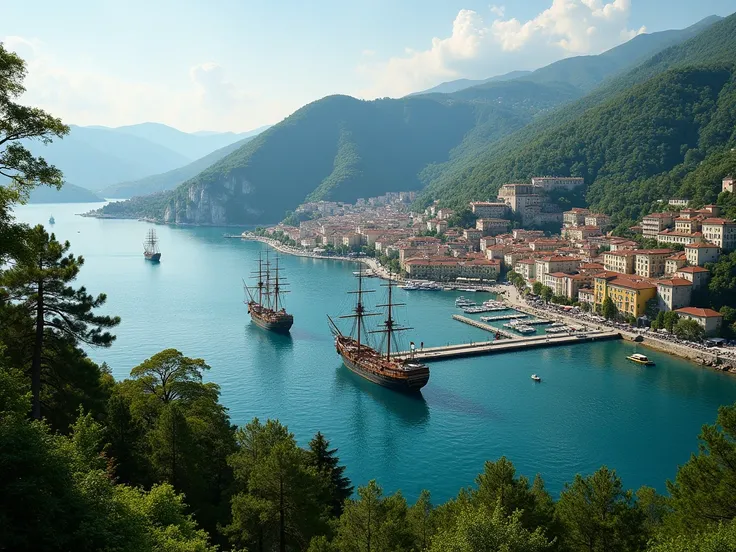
(150, 247)
(265, 306)
(51, 220)
(383, 368)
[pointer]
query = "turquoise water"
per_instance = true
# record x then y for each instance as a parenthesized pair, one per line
(592, 408)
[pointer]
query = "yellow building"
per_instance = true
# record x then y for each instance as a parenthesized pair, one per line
(630, 295)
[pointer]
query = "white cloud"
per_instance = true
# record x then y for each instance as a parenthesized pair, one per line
(479, 49)
(84, 96)
(498, 10)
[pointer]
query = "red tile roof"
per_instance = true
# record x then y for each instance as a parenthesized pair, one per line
(700, 313)
(692, 269)
(631, 284)
(700, 245)
(718, 221)
(675, 282)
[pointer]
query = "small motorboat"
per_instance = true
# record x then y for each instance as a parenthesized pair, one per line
(640, 359)
(536, 378)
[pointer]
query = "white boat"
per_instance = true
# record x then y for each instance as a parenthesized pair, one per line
(557, 325)
(536, 378)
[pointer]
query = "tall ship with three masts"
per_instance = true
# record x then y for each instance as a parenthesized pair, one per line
(265, 305)
(383, 368)
(150, 247)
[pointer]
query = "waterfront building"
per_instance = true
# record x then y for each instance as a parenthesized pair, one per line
(548, 183)
(620, 261)
(567, 285)
(721, 232)
(727, 184)
(488, 209)
(709, 319)
(445, 269)
(527, 268)
(673, 293)
(586, 295)
(575, 217)
(650, 263)
(698, 275)
(653, 224)
(683, 238)
(629, 294)
(697, 254)
(492, 226)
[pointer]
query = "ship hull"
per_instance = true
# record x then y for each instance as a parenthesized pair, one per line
(153, 257)
(408, 385)
(282, 325)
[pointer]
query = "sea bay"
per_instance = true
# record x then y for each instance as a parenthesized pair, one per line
(592, 408)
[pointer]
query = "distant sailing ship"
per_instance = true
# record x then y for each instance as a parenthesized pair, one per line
(150, 247)
(265, 306)
(51, 220)
(406, 375)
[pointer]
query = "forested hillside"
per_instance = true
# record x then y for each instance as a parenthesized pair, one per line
(669, 114)
(341, 148)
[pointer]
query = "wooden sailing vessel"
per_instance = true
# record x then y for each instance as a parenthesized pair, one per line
(150, 247)
(383, 368)
(265, 305)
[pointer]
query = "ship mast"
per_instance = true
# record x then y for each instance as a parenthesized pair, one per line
(267, 293)
(278, 284)
(359, 309)
(389, 325)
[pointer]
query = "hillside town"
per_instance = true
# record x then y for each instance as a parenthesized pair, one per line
(582, 264)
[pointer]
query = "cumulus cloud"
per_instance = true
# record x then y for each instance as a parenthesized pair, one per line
(85, 96)
(477, 48)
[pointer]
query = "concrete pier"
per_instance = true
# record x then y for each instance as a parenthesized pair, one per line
(507, 345)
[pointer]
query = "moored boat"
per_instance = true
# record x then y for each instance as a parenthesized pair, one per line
(640, 359)
(265, 305)
(536, 378)
(383, 368)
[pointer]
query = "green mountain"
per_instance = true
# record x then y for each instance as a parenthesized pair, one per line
(463, 144)
(341, 148)
(638, 125)
(69, 193)
(170, 179)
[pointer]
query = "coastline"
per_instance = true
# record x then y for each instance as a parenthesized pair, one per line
(704, 358)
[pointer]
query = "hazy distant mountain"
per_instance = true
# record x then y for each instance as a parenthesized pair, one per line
(97, 157)
(69, 193)
(170, 179)
(461, 84)
(240, 134)
(192, 146)
(587, 72)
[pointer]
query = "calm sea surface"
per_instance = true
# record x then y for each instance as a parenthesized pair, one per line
(592, 408)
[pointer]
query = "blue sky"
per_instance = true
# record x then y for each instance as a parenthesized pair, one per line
(236, 65)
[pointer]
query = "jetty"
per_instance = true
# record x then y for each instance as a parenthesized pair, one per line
(482, 326)
(503, 317)
(429, 354)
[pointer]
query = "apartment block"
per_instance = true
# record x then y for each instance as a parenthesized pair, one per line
(630, 295)
(721, 232)
(697, 275)
(653, 224)
(548, 265)
(650, 263)
(673, 293)
(697, 254)
(492, 226)
(488, 209)
(444, 269)
(575, 217)
(682, 238)
(597, 219)
(622, 261)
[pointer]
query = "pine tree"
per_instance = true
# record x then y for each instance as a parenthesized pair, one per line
(40, 283)
(326, 462)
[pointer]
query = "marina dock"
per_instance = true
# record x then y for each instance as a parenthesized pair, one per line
(448, 352)
(504, 317)
(482, 326)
